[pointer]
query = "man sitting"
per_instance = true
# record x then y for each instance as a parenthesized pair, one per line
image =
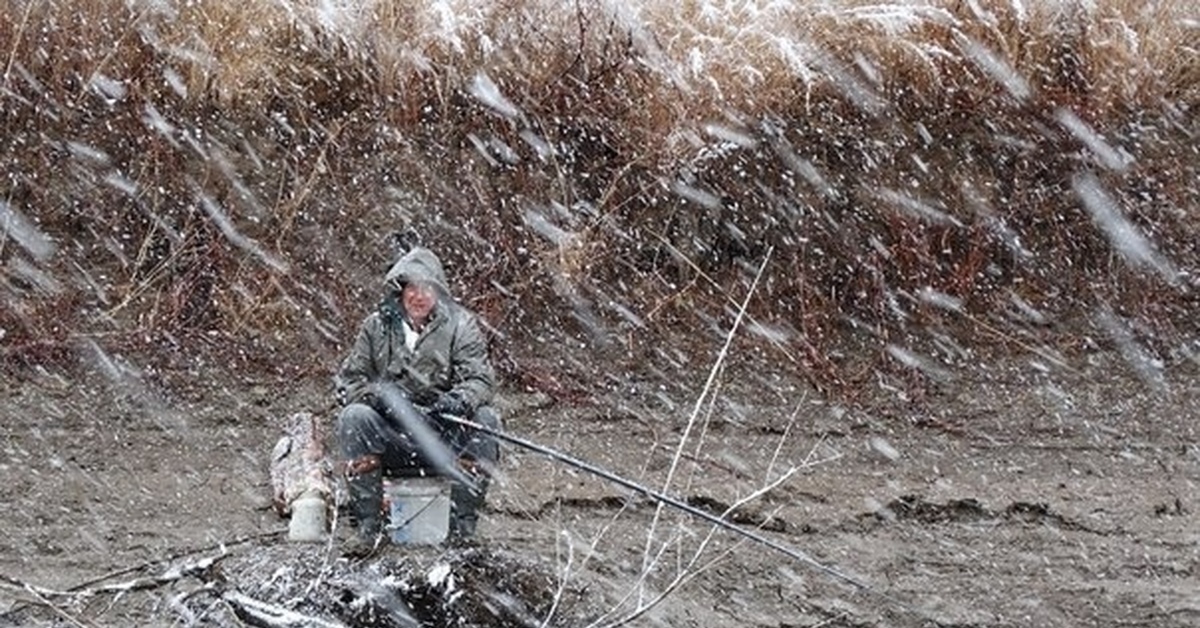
(418, 359)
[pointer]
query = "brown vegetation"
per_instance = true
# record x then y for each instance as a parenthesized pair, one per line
(237, 167)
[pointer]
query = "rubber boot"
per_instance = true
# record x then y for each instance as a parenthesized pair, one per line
(366, 504)
(464, 509)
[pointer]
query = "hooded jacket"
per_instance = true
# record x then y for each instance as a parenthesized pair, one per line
(450, 353)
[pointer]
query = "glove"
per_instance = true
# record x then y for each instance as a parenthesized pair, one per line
(370, 397)
(451, 404)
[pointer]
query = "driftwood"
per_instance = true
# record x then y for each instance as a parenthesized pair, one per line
(202, 568)
(41, 597)
(252, 611)
(299, 463)
(266, 615)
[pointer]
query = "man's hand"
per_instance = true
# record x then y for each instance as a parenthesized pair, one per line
(375, 396)
(450, 404)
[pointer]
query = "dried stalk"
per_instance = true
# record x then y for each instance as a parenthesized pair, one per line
(690, 571)
(704, 393)
(41, 597)
(666, 500)
(562, 582)
(266, 615)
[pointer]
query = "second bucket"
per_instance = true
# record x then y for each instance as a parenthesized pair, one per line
(418, 510)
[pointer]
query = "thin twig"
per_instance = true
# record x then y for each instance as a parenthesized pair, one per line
(673, 502)
(40, 596)
(16, 44)
(592, 547)
(152, 582)
(275, 615)
(690, 571)
(783, 437)
(701, 460)
(562, 581)
(708, 385)
(83, 587)
(178, 603)
(685, 575)
(713, 282)
(116, 46)
(712, 408)
(1010, 338)
(634, 587)
(176, 556)
(287, 211)
(330, 555)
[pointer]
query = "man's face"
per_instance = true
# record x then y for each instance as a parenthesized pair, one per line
(419, 299)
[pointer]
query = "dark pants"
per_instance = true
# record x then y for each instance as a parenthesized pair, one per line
(408, 442)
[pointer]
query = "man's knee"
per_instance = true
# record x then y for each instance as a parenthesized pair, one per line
(357, 417)
(487, 417)
(356, 429)
(481, 445)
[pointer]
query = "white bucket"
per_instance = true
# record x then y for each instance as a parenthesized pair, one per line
(418, 510)
(308, 518)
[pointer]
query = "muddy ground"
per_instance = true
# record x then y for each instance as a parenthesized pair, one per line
(1021, 492)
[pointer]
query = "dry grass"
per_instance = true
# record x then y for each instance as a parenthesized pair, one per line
(233, 166)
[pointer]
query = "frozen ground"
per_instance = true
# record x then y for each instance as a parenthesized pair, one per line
(1013, 496)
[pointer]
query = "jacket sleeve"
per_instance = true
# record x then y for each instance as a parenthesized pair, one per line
(473, 377)
(358, 368)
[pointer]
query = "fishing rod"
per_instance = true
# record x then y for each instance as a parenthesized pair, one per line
(672, 502)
